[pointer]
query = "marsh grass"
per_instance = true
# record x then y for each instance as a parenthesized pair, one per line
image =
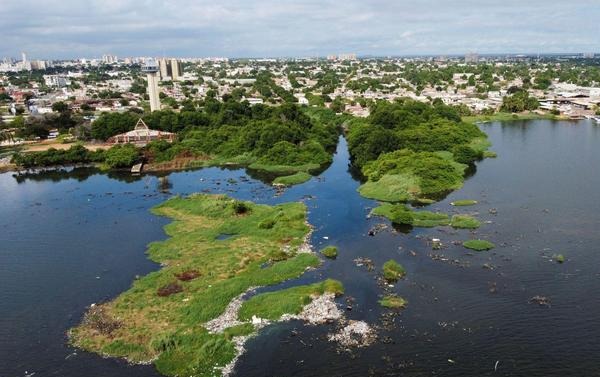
(294, 179)
(392, 188)
(464, 222)
(168, 329)
(393, 302)
(392, 271)
(402, 215)
(478, 245)
(463, 203)
(330, 252)
(273, 305)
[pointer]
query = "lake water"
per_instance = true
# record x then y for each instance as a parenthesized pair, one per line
(72, 238)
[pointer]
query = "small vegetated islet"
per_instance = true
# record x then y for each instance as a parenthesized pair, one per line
(393, 271)
(330, 252)
(478, 245)
(393, 302)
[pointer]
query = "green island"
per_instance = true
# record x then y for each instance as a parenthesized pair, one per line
(217, 251)
(403, 215)
(478, 245)
(463, 203)
(330, 252)
(294, 179)
(393, 302)
(412, 151)
(392, 271)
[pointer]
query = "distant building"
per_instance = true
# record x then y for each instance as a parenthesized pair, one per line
(109, 59)
(170, 69)
(347, 57)
(471, 58)
(164, 72)
(141, 135)
(55, 81)
(176, 70)
(588, 55)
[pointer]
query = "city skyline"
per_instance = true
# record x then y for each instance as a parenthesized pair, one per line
(182, 28)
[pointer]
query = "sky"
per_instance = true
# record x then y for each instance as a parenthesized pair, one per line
(55, 29)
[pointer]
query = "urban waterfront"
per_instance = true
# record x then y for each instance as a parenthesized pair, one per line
(79, 237)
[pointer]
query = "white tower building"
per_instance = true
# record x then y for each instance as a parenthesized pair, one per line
(151, 69)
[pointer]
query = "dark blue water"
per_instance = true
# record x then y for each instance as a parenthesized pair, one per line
(73, 238)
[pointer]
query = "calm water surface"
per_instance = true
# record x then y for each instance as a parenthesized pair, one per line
(73, 238)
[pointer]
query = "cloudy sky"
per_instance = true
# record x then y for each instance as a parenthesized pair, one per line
(253, 28)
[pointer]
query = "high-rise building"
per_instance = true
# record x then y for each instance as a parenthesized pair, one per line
(170, 69)
(164, 71)
(151, 70)
(175, 70)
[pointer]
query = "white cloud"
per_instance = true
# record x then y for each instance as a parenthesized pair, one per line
(69, 28)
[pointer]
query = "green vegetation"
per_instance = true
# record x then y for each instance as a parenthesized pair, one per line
(464, 222)
(160, 317)
(478, 245)
(273, 305)
(559, 258)
(519, 101)
(401, 214)
(410, 150)
(282, 140)
(393, 302)
(505, 117)
(406, 175)
(391, 188)
(294, 179)
(392, 271)
(77, 154)
(463, 203)
(330, 252)
(118, 156)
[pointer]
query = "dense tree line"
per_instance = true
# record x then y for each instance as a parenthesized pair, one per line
(519, 101)
(119, 156)
(283, 135)
(412, 125)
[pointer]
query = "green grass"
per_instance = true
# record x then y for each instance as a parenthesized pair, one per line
(464, 222)
(294, 179)
(240, 330)
(392, 188)
(284, 169)
(392, 271)
(478, 245)
(330, 252)
(505, 117)
(465, 202)
(401, 214)
(145, 326)
(393, 302)
(427, 219)
(273, 305)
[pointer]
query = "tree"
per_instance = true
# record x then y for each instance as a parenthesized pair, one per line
(520, 101)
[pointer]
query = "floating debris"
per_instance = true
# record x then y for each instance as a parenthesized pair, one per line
(377, 228)
(540, 300)
(355, 334)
